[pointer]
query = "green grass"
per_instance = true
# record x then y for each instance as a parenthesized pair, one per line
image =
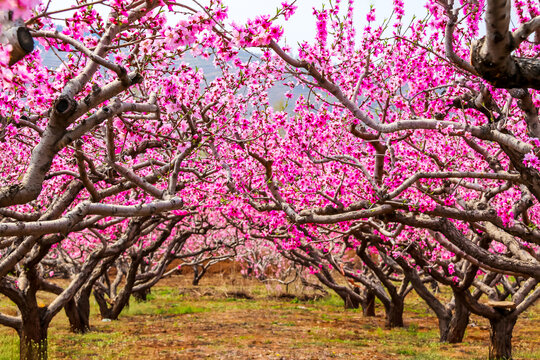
(331, 301)
(153, 308)
(183, 325)
(9, 345)
(527, 354)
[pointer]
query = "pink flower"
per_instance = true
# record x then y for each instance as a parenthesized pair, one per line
(371, 15)
(531, 160)
(288, 10)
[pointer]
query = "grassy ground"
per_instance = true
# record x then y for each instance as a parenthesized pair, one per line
(211, 322)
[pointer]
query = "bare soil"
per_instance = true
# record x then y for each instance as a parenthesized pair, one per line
(228, 317)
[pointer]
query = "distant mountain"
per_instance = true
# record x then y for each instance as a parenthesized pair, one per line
(277, 97)
(50, 60)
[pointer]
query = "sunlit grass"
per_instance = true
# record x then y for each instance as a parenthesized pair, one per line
(206, 322)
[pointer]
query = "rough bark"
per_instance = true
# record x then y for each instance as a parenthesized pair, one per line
(491, 55)
(111, 309)
(394, 314)
(141, 295)
(104, 309)
(349, 300)
(33, 337)
(514, 72)
(198, 273)
(500, 336)
(78, 313)
(368, 305)
(444, 328)
(458, 323)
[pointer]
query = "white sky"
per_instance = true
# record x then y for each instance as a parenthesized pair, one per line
(301, 26)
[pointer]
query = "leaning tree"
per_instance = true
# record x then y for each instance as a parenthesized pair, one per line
(112, 142)
(401, 125)
(406, 125)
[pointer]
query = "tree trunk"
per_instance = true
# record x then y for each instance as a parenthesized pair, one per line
(111, 309)
(368, 306)
(452, 327)
(141, 296)
(196, 277)
(104, 309)
(435, 286)
(394, 314)
(33, 338)
(500, 333)
(120, 302)
(459, 323)
(349, 300)
(444, 327)
(198, 273)
(78, 313)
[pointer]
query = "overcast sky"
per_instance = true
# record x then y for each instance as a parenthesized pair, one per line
(302, 25)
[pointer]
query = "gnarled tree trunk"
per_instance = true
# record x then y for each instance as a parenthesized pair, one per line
(141, 295)
(394, 314)
(500, 336)
(78, 313)
(33, 336)
(368, 305)
(350, 300)
(105, 309)
(459, 323)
